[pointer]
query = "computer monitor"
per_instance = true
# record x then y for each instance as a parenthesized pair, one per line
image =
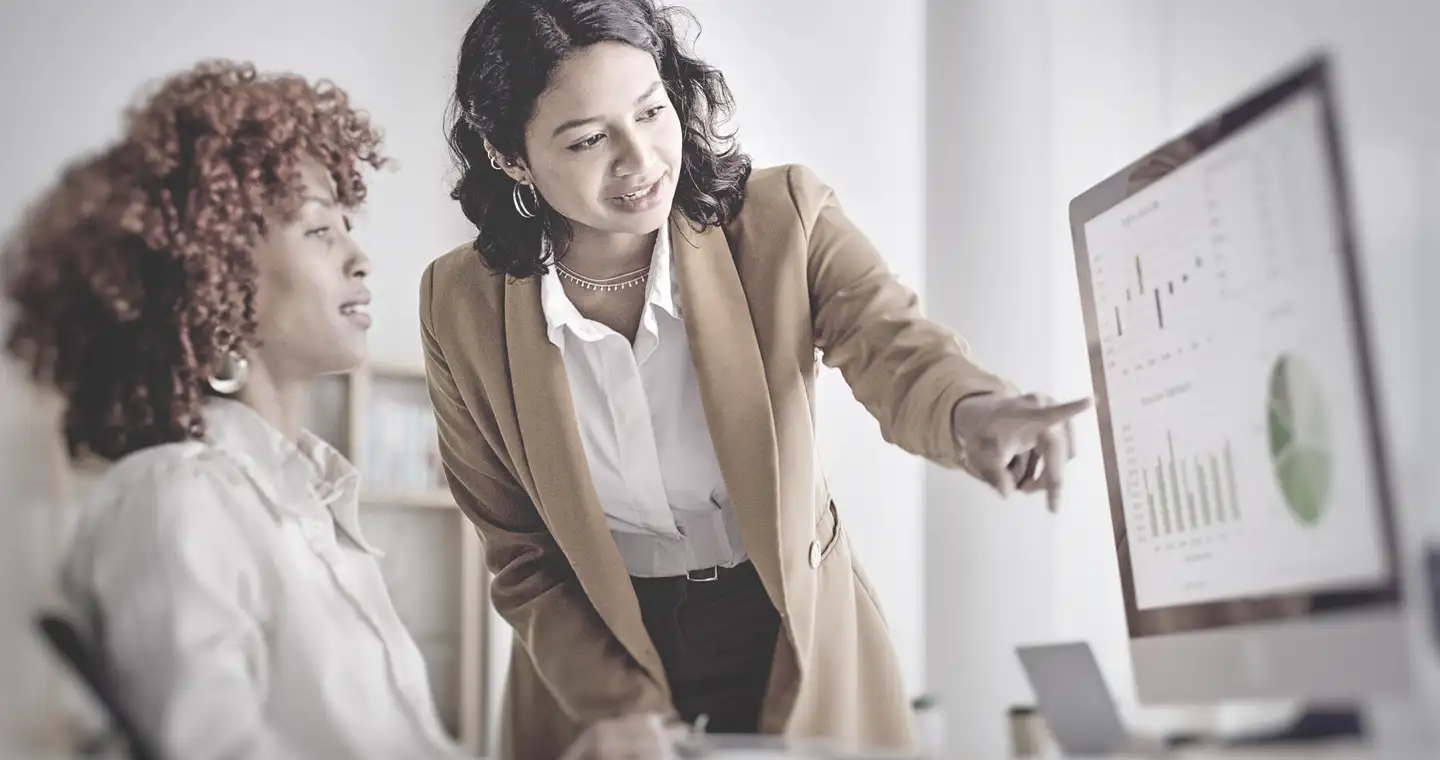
(1237, 407)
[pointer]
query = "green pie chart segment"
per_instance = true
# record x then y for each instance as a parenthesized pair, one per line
(1299, 435)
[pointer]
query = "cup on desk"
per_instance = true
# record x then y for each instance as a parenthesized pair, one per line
(1029, 734)
(931, 723)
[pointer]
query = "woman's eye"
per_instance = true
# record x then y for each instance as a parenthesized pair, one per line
(588, 142)
(651, 113)
(318, 232)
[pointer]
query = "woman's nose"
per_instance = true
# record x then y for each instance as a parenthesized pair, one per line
(358, 265)
(634, 155)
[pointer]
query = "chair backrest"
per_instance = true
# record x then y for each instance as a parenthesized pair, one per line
(72, 646)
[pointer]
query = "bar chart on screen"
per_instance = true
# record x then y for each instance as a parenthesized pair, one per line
(1186, 495)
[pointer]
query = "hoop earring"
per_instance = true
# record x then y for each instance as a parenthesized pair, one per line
(494, 162)
(518, 197)
(234, 371)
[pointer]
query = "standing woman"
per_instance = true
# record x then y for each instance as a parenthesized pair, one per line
(622, 366)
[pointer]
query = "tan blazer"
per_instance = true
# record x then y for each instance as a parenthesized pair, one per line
(789, 281)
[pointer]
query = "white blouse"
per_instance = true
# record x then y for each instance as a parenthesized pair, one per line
(238, 607)
(644, 431)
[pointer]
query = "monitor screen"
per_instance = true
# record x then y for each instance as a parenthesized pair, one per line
(1230, 364)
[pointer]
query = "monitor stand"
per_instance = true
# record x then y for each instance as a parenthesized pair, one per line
(1406, 728)
(1075, 701)
(1386, 728)
(1382, 728)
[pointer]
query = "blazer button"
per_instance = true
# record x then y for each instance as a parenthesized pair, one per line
(816, 554)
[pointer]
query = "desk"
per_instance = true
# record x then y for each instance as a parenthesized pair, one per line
(1299, 751)
(1317, 751)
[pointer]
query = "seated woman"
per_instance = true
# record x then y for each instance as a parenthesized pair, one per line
(181, 290)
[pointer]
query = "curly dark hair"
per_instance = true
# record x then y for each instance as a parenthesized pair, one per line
(507, 59)
(134, 275)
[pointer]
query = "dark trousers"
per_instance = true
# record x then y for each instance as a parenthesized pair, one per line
(716, 639)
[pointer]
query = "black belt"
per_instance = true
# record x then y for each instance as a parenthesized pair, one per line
(700, 575)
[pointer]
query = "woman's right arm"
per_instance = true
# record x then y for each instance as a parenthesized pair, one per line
(583, 665)
(177, 591)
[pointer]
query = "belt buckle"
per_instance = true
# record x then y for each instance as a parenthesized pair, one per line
(704, 575)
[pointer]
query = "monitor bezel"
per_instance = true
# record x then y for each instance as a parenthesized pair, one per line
(1313, 74)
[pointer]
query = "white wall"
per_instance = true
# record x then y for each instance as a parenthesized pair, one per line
(70, 69)
(989, 564)
(1032, 102)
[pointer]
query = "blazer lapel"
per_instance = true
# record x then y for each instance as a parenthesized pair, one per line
(555, 461)
(733, 390)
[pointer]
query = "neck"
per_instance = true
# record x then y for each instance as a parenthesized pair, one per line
(608, 254)
(284, 404)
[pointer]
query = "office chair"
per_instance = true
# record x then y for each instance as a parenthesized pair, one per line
(67, 641)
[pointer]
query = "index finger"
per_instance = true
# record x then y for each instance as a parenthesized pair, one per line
(1057, 413)
(1053, 449)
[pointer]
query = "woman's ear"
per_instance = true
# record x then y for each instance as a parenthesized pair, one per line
(514, 169)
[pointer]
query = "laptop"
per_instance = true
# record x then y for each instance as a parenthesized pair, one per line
(1072, 696)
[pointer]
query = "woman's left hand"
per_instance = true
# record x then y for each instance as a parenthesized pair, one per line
(1018, 441)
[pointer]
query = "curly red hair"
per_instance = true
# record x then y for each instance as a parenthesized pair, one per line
(134, 275)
